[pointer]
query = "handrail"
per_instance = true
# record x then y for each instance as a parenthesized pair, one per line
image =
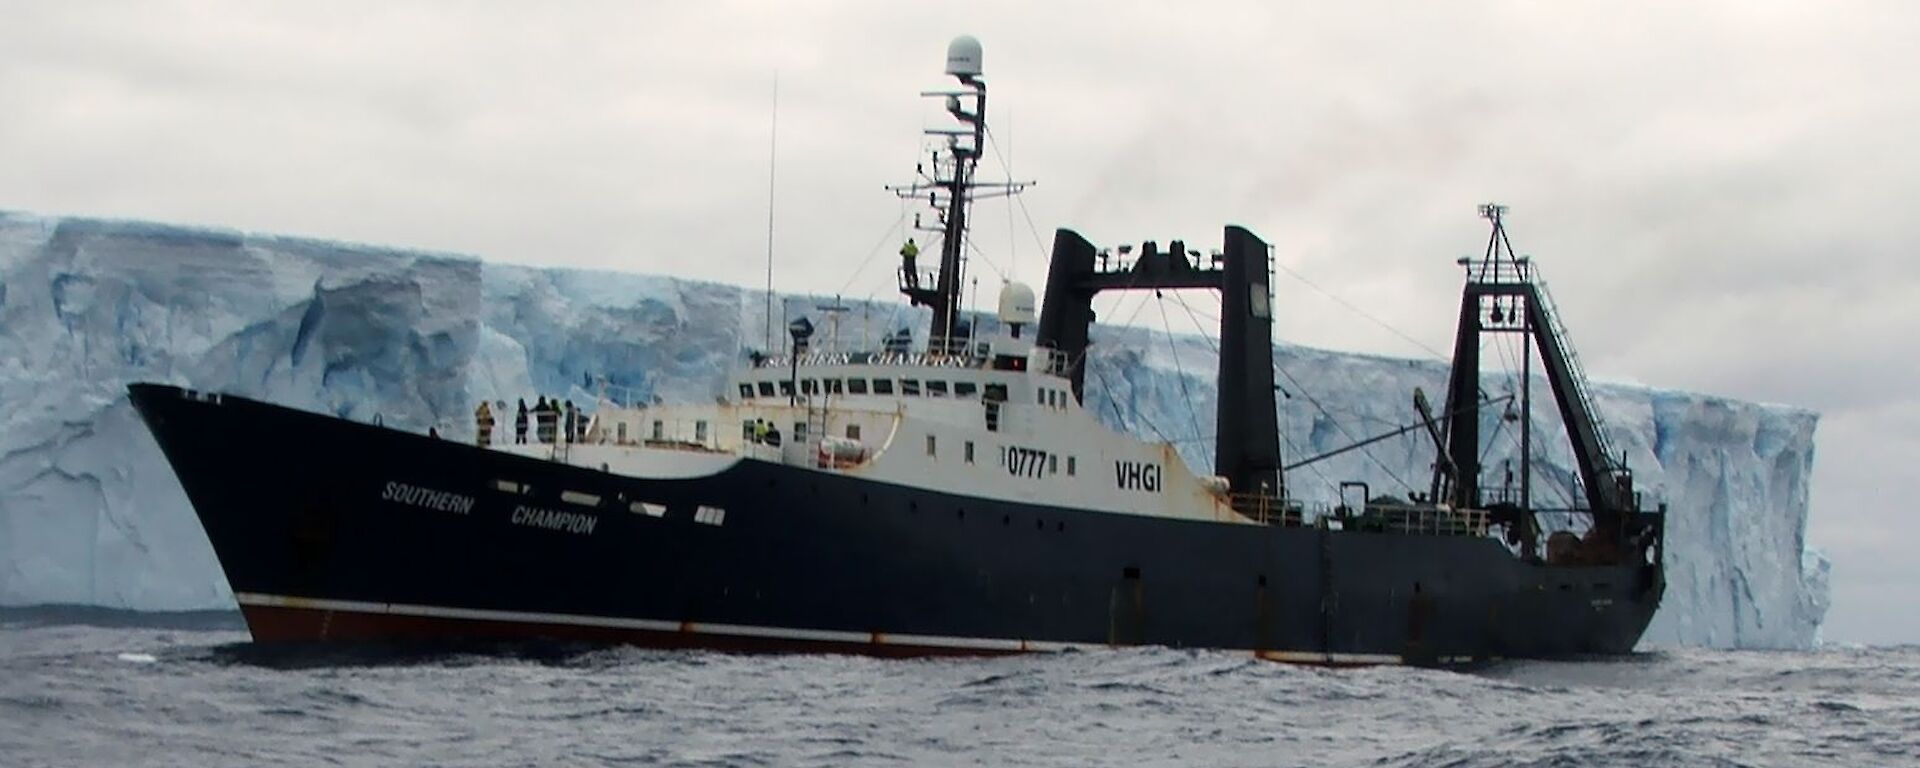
(1422, 519)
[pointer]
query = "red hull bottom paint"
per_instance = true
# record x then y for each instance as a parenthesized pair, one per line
(274, 624)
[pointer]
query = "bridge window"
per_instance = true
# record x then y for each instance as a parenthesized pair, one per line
(746, 390)
(766, 389)
(856, 386)
(786, 389)
(910, 387)
(809, 386)
(883, 386)
(833, 387)
(964, 388)
(937, 388)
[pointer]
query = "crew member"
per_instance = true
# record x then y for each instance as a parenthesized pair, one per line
(908, 254)
(543, 421)
(760, 430)
(572, 424)
(520, 423)
(483, 424)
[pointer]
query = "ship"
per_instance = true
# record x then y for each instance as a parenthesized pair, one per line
(951, 497)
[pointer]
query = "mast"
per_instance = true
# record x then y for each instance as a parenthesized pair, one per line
(949, 186)
(1504, 294)
(1247, 431)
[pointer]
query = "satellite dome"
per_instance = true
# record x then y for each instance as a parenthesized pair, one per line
(963, 57)
(1016, 304)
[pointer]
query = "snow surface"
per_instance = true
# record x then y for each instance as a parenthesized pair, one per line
(90, 513)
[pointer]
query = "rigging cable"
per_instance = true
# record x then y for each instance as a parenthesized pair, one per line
(995, 144)
(1316, 404)
(1358, 311)
(1178, 369)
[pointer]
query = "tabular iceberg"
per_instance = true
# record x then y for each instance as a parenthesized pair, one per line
(91, 514)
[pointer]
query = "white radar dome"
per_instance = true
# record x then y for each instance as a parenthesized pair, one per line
(1016, 304)
(963, 56)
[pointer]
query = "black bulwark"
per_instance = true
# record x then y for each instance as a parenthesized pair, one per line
(1247, 432)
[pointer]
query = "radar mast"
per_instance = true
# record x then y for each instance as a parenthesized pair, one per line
(948, 185)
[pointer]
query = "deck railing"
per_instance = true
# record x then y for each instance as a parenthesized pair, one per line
(1383, 518)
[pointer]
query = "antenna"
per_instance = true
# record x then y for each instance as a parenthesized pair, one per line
(948, 185)
(773, 153)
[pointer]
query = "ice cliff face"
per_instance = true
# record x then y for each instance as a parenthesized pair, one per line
(91, 514)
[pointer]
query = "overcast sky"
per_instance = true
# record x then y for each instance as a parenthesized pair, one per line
(1722, 193)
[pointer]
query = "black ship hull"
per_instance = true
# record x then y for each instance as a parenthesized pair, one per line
(329, 529)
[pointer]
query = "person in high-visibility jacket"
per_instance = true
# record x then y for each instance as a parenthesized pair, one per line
(908, 254)
(483, 424)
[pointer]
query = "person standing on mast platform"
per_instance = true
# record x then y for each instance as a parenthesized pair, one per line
(908, 254)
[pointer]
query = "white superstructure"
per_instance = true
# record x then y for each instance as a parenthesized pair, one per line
(996, 421)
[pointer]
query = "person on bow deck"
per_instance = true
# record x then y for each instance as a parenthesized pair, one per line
(483, 424)
(542, 421)
(571, 424)
(909, 253)
(520, 423)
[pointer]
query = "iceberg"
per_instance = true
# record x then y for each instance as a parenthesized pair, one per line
(90, 513)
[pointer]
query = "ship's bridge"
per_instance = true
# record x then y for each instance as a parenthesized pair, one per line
(996, 373)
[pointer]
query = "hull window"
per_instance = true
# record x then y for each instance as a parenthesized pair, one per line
(509, 486)
(969, 452)
(931, 445)
(649, 509)
(853, 431)
(710, 515)
(581, 498)
(700, 431)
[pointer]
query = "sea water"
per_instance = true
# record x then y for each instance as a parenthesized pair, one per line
(193, 695)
